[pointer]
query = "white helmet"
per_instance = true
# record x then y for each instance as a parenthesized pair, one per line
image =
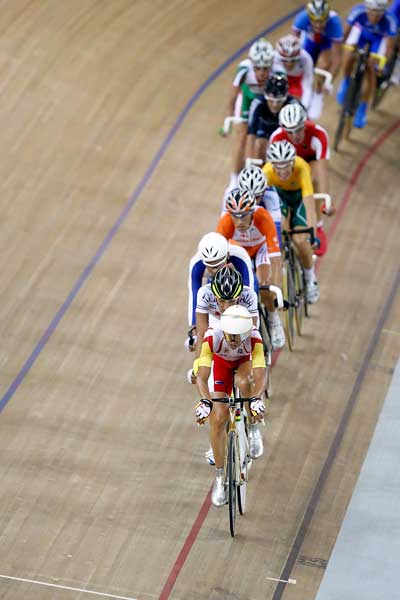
(252, 180)
(376, 5)
(261, 53)
(281, 152)
(237, 320)
(292, 116)
(288, 47)
(213, 249)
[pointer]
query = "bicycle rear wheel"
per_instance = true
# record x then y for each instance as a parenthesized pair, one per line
(231, 472)
(289, 294)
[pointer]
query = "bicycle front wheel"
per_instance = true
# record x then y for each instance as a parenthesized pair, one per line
(232, 469)
(264, 331)
(289, 293)
(244, 454)
(301, 299)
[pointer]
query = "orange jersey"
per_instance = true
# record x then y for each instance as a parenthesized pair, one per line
(261, 230)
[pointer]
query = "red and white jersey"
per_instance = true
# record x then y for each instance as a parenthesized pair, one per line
(315, 145)
(219, 346)
(300, 76)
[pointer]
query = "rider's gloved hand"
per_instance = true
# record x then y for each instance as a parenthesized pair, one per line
(190, 343)
(257, 407)
(202, 410)
(317, 243)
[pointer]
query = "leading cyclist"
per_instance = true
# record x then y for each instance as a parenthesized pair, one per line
(368, 23)
(234, 346)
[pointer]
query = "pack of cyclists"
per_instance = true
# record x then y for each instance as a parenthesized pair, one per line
(280, 160)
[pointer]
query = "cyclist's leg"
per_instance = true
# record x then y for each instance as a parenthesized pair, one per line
(369, 83)
(299, 220)
(245, 382)
(353, 39)
(319, 172)
(270, 274)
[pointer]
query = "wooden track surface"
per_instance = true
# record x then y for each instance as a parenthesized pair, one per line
(102, 468)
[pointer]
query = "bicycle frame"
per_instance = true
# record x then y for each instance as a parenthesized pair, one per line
(353, 95)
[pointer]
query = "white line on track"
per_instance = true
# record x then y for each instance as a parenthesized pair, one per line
(293, 581)
(65, 587)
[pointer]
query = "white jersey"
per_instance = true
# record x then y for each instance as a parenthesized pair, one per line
(207, 301)
(218, 345)
(245, 75)
(300, 76)
(197, 271)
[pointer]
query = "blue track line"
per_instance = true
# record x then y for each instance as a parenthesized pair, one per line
(122, 217)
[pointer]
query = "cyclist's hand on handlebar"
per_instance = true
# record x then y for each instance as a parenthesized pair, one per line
(202, 411)
(190, 343)
(191, 377)
(257, 408)
(317, 242)
(330, 212)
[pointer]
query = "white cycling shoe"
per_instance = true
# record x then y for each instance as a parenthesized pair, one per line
(312, 292)
(218, 493)
(276, 331)
(255, 441)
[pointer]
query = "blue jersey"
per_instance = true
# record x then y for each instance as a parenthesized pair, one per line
(240, 260)
(386, 26)
(315, 42)
(395, 9)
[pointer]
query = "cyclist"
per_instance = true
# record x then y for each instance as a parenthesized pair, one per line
(213, 252)
(311, 143)
(252, 227)
(233, 346)
(395, 10)
(248, 84)
(252, 179)
(298, 66)
(321, 31)
(371, 23)
(291, 176)
(263, 117)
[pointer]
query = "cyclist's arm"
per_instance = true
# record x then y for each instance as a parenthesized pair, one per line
(336, 56)
(204, 364)
(201, 328)
(307, 192)
(308, 79)
(321, 173)
(196, 272)
(259, 371)
(225, 226)
(232, 100)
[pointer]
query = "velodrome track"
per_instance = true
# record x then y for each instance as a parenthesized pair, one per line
(111, 171)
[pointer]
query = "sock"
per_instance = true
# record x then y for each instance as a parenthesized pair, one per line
(309, 274)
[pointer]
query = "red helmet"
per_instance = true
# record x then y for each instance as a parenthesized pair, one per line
(288, 47)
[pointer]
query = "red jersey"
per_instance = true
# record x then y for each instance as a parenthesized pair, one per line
(315, 145)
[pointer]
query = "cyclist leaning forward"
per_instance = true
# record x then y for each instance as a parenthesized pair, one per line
(252, 227)
(234, 345)
(312, 144)
(291, 177)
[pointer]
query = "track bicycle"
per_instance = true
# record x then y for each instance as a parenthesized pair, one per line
(294, 285)
(383, 81)
(237, 456)
(265, 332)
(353, 95)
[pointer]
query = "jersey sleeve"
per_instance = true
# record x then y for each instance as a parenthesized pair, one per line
(257, 353)
(277, 135)
(265, 224)
(320, 143)
(305, 178)
(334, 28)
(206, 354)
(196, 272)
(355, 14)
(240, 74)
(203, 299)
(226, 227)
(301, 21)
(254, 112)
(248, 299)
(392, 24)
